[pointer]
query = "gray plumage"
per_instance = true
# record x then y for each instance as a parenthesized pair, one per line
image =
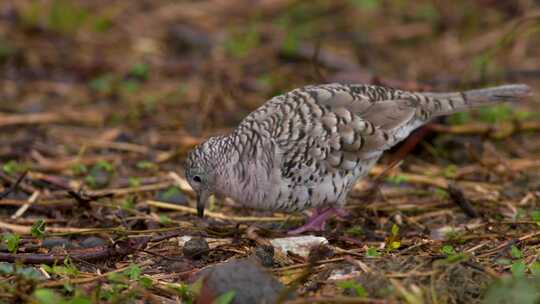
(308, 147)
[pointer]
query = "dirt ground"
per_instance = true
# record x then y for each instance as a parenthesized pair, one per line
(100, 101)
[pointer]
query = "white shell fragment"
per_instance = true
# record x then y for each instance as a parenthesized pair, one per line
(300, 245)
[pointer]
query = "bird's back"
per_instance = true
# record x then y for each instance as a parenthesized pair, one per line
(316, 141)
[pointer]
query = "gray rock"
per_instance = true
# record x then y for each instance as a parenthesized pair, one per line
(250, 282)
(195, 248)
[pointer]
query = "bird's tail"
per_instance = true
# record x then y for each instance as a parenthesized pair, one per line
(448, 103)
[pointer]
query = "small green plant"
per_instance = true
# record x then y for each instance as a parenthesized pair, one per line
(397, 179)
(129, 202)
(103, 83)
(38, 229)
(225, 298)
(496, 113)
(188, 293)
(79, 169)
(452, 256)
(448, 250)
(164, 219)
(140, 71)
(393, 241)
(450, 171)
(364, 5)
(13, 167)
(372, 252)
(12, 241)
(354, 286)
(146, 165)
(518, 267)
(355, 231)
(240, 44)
(66, 270)
(46, 296)
(134, 182)
(460, 118)
(535, 216)
(441, 193)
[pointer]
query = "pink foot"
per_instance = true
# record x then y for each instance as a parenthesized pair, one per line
(317, 221)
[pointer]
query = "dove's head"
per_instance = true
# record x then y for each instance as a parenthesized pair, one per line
(201, 170)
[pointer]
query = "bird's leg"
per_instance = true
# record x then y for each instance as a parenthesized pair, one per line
(317, 221)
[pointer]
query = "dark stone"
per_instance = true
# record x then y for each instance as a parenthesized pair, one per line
(265, 254)
(250, 282)
(320, 252)
(53, 242)
(93, 241)
(195, 248)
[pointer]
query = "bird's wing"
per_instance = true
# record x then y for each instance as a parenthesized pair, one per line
(335, 126)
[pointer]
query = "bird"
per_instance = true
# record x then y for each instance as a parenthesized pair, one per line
(305, 149)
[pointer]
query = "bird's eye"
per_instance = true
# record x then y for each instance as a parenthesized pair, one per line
(197, 179)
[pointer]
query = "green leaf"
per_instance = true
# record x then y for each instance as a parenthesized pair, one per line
(355, 231)
(129, 202)
(12, 241)
(165, 220)
(130, 86)
(13, 167)
(225, 298)
(535, 215)
(38, 229)
(140, 70)
(515, 252)
(46, 296)
(353, 285)
(79, 169)
(459, 118)
(450, 171)
(365, 4)
(397, 179)
(146, 282)
(518, 269)
(241, 43)
(535, 269)
(503, 261)
(440, 193)
(103, 83)
(393, 245)
(372, 252)
(496, 113)
(134, 182)
(146, 165)
(134, 272)
(395, 230)
(448, 250)
(105, 165)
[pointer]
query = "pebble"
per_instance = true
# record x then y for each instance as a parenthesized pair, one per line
(299, 245)
(93, 241)
(195, 248)
(53, 242)
(250, 283)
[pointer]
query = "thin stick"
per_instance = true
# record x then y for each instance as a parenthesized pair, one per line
(220, 216)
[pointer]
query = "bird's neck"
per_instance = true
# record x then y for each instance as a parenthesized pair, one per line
(239, 168)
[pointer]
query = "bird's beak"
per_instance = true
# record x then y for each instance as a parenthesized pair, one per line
(202, 198)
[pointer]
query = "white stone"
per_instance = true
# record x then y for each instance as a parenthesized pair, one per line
(300, 245)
